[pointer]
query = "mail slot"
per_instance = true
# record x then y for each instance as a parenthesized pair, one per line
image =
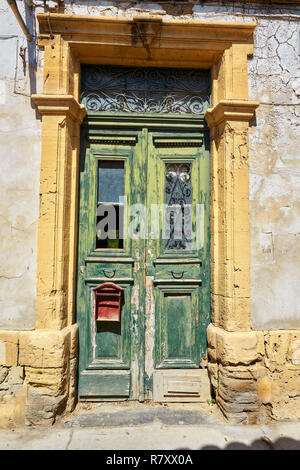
(108, 302)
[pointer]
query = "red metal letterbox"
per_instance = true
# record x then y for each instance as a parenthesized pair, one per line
(108, 302)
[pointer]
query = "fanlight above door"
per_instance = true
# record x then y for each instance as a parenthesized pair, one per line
(147, 90)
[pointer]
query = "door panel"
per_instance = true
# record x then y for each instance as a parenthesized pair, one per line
(108, 269)
(109, 349)
(178, 172)
(176, 330)
(110, 341)
(104, 385)
(178, 271)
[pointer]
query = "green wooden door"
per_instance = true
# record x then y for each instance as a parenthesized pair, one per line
(154, 175)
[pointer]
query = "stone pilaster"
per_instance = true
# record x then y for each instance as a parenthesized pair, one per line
(61, 119)
(230, 229)
(234, 351)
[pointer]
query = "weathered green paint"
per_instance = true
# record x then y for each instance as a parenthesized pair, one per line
(112, 356)
(108, 340)
(177, 327)
(180, 271)
(108, 270)
(99, 384)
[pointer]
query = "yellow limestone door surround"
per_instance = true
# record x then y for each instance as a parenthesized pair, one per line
(222, 47)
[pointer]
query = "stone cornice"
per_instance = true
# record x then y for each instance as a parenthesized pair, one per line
(231, 110)
(153, 29)
(58, 105)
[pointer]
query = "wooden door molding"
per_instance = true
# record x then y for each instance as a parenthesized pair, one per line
(223, 47)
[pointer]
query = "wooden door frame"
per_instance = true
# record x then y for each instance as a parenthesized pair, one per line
(222, 47)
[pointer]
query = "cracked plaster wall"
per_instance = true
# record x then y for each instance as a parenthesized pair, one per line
(19, 175)
(274, 74)
(274, 153)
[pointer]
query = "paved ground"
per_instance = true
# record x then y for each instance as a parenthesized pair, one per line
(128, 427)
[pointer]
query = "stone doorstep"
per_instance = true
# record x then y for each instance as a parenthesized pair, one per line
(114, 414)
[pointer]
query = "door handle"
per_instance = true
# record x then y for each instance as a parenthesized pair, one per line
(109, 274)
(178, 275)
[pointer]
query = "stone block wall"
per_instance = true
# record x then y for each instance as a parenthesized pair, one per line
(255, 375)
(38, 376)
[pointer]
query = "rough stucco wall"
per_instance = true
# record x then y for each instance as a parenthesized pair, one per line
(19, 178)
(274, 157)
(274, 75)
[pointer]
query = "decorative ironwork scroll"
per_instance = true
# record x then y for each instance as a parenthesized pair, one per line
(178, 196)
(145, 90)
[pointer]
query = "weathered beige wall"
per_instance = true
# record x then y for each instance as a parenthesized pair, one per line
(274, 74)
(19, 178)
(274, 156)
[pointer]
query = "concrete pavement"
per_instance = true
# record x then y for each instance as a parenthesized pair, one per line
(138, 427)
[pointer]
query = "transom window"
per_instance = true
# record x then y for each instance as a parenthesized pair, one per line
(145, 90)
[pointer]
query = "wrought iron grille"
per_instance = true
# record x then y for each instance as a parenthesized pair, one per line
(145, 90)
(178, 195)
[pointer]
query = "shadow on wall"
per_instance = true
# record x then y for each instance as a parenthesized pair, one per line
(283, 443)
(32, 51)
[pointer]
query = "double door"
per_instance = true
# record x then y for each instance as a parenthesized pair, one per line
(143, 262)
